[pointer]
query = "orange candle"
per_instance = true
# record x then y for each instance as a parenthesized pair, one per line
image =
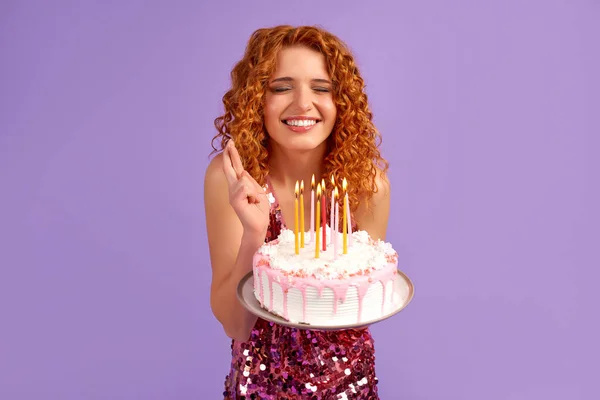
(318, 220)
(302, 214)
(296, 219)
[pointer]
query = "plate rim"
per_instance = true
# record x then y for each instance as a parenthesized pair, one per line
(276, 319)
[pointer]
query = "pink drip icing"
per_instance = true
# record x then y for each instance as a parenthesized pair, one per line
(362, 288)
(339, 288)
(384, 278)
(285, 307)
(339, 295)
(302, 290)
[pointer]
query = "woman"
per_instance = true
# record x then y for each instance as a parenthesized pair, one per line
(296, 107)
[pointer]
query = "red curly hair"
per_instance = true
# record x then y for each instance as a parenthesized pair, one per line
(352, 148)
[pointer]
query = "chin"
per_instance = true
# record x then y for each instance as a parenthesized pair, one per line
(300, 144)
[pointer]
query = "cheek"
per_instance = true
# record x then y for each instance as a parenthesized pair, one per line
(271, 113)
(329, 111)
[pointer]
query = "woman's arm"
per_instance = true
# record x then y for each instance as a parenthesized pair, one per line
(232, 239)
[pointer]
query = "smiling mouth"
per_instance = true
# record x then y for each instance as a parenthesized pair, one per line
(300, 122)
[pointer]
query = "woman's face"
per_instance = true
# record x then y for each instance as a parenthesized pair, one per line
(299, 109)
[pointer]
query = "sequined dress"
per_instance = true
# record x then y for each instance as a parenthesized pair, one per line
(279, 362)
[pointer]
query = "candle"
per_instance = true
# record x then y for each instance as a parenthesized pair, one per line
(296, 219)
(344, 218)
(336, 217)
(312, 209)
(349, 222)
(324, 214)
(318, 220)
(331, 210)
(302, 214)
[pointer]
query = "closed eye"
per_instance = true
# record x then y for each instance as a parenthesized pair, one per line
(280, 89)
(283, 89)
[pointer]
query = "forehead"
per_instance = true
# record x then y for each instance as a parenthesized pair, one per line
(300, 62)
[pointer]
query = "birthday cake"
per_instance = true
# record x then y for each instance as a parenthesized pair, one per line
(336, 288)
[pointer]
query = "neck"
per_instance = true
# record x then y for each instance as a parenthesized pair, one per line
(287, 167)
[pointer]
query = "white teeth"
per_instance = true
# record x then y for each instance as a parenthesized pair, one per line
(300, 122)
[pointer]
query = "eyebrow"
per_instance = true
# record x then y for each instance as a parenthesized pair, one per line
(289, 79)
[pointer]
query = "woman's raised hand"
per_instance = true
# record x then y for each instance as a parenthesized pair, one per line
(246, 196)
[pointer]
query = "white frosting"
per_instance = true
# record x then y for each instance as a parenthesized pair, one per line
(364, 254)
(345, 289)
(320, 309)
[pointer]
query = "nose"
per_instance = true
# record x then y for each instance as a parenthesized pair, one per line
(304, 98)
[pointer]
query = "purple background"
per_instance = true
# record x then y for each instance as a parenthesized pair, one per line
(490, 118)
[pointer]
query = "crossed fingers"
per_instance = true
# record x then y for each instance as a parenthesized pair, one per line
(238, 178)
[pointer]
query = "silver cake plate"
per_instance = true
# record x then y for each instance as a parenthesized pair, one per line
(245, 294)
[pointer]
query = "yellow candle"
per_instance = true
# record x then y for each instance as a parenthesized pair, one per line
(318, 221)
(344, 220)
(296, 219)
(302, 214)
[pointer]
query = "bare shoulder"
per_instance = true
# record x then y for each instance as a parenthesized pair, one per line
(214, 175)
(216, 188)
(373, 216)
(382, 184)
(216, 196)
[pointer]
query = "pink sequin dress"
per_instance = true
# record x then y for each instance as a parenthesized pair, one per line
(279, 362)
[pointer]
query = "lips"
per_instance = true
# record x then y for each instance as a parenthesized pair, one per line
(300, 124)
